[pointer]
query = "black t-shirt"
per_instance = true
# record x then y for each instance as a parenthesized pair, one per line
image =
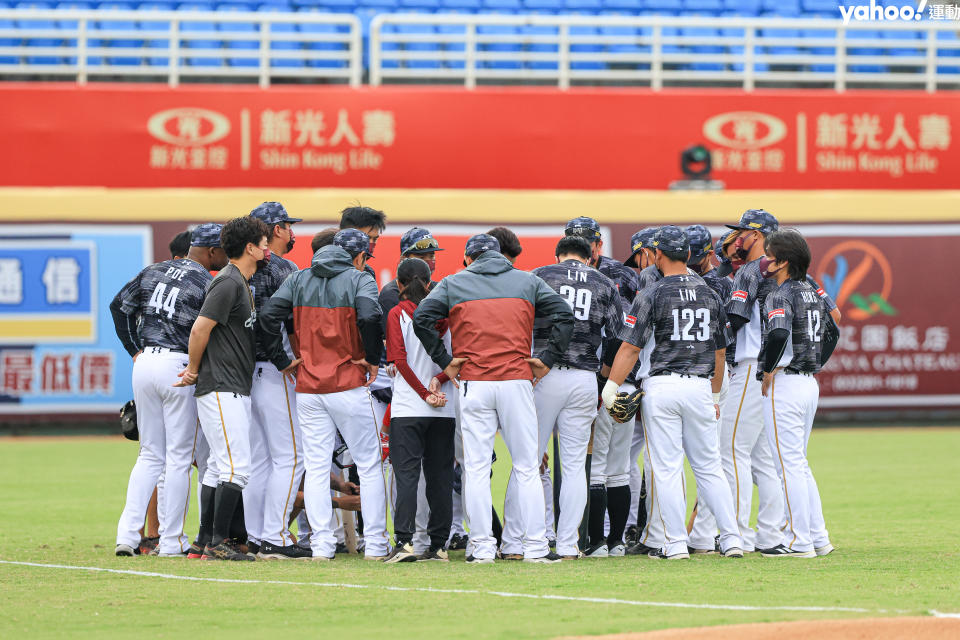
(228, 361)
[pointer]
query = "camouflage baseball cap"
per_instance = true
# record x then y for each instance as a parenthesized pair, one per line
(700, 240)
(480, 243)
(640, 240)
(206, 235)
(671, 238)
(418, 240)
(757, 220)
(584, 227)
(273, 213)
(353, 241)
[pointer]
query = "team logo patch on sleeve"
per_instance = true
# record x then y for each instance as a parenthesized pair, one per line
(775, 313)
(821, 292)
(739, 296)
(630, 321)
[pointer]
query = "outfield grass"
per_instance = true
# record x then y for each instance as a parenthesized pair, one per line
(889, 500)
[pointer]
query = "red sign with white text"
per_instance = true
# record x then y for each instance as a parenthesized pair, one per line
(427, 137)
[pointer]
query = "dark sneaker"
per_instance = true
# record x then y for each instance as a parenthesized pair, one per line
(148, 544)
(639, 549)
(457, 543)
(195, 551)
(253, 547)
(632, 535)
(269, 551)
(225, 551)
(436, 554)
(511, 556)
(550, 558)
(341, 548)
(401, 553)
(660, 555)
(475, 560)
(780, 551)
(125, 550)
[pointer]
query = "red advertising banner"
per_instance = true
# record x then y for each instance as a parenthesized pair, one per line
(517, 138)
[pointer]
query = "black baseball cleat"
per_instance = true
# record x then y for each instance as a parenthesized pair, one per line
(660, 555)
(125, 550)
(341, 548)
(550, 558)
(195, 552)
(457, 543)
(733, 552)
(781, 551)
(270, 551)
(225, 551)
(632, 536)
(253, 547)
(435, 554)
(476, 560)
(148, 544)
(401, 553)
(700, 552)
(639, 549)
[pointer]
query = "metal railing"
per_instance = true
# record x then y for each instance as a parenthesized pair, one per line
(177, 44)
(660, 51)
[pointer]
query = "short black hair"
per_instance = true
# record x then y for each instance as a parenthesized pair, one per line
(677, 256)
(789, 246)
(240, 232)
(509, 243)
(180, 244)
(574, 245)
(323, 238)
(362, 217)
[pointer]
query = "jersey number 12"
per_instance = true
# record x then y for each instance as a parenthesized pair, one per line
(164, 303)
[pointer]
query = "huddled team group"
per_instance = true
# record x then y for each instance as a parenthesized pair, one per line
(305, 395)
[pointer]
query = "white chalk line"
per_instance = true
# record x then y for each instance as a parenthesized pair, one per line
(502, 594)
(941, 614)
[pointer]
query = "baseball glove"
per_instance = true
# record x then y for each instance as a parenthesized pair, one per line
(626, 405)
(128, 421)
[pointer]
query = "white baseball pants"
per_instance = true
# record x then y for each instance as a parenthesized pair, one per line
(351, 412)
(277, 456)
(225, 420)
(483, 405)
(746, 459)
(565, 399)
(680, 418)
(610, 464)
(167, 421)
(704, 524)
(788, 412)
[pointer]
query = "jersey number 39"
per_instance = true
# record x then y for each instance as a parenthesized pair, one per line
(687, 318)
(163, 303)
(579, 301)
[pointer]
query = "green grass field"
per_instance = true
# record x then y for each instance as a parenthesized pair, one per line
(889, 498)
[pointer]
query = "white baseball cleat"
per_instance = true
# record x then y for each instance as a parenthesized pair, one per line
(824, 550)
(733, 552)
(781, 551)
(660, 555)
(617, 551)
(125, 550)
(597, 551)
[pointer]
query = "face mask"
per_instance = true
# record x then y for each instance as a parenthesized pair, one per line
(736, 263)
(373, 245)
(432, 263)
(291, 242)
(741, 251)
(266, 255)
(764, 264)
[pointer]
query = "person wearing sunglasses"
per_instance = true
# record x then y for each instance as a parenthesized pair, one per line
(414, 243)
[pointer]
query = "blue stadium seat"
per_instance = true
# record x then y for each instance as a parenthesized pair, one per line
(821, 7)
(543, 6)
(627, 6)
(583, 6)
(785, 34)
(240, 27)
(160, 26)
(704, 49)
(39, 42)
(672, 6)
(8, 42)
(853, 52)
(126, 25)
(283, 45)
(588, 47)
(743, 7)
(511, 6)
(904, 38)
(462, 5)
(325, 46)
(386, 6)
(433, 47)
(206, 60)
(421, 5)
(338, 6)
(541, 47)
(499, 29)
(703, 6)
(786, 8)
(454, 47)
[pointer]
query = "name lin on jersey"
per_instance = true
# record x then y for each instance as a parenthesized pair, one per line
(577, 276)
(687, 295)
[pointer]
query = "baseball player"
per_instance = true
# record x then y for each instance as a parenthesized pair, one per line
(793, 335)
(221, 363)
(491, 309)
(566, 398)
(152, 316)
(338, 327)
(745, 451)
(414, 243)
(610, 464)
(276, 452)
(180, 244)
(686, 319)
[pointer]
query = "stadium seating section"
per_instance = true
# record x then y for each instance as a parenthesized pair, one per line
(237, 43)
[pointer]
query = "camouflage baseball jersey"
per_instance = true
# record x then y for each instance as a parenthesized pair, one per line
(596, 308)
(685, 317)
(167, 296)
(797, 307)
(648, 275)
(624, 278)
(722, 287)
(264, 283)
(828, 302)
(750, 289)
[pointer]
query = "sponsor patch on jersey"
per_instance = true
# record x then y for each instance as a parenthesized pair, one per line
(821, 292)
(630, 321)
(775, 313)
(739, 296)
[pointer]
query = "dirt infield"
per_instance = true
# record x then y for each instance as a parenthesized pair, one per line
(863, 629)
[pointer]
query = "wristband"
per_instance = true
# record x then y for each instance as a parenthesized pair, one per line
(716, 398)
(609, 393)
